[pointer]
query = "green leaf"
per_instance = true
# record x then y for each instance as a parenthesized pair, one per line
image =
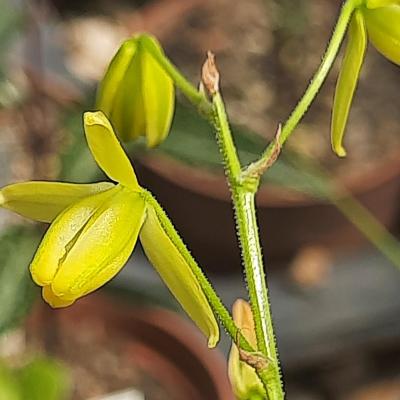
(347, 81)
(170, 257)
(43, 201)
(107, 151)
(9, 385)
(44, 379)
(17, 291)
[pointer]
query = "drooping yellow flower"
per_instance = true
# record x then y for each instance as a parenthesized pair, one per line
(94, 229)
(379, 22)
(136, 94)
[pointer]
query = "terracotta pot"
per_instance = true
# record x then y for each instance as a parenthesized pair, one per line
(198, 203)
(160, 343)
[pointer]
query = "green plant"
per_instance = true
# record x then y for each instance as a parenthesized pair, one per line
(17, 291)
(95, 227)
(39, 379)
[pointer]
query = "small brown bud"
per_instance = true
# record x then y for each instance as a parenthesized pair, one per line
(210, 74)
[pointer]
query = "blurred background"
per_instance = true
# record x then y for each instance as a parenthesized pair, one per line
(334, 293)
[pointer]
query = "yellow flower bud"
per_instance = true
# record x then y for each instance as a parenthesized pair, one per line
(383, 26)
(245, 382)
(136, 94)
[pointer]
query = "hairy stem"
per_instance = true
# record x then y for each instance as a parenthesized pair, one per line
(244, 206)
(244, 185)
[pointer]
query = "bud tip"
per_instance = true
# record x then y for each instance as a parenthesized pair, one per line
(210, 74)
(341, 152)
(94, 118)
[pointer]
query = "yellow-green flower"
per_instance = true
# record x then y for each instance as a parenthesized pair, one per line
(94, 229)
(379, 22)
(136, 94)
(245, 382)
(383, 27)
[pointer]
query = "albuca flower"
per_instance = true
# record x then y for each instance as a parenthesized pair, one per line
(244, 380)
(94, 229)
(379, 22)
(136, 94)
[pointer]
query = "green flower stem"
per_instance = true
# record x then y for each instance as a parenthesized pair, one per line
(196, 97)
(317, 81)
(244, 205)
(256, 397)
(244, 187)
(215, 302)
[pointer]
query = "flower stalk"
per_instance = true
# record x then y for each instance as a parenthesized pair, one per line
(317, 81)
(214, 300)
(243, 194)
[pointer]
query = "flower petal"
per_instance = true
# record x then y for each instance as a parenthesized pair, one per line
(107, 150)
(110, 270)
(383, 25)
(120, 96)
(102, 247)
(347, 81)
(114, 76)
(158, 94)
(43, 201)
(127, 110)
(62, 233)
(380, 3)
(169, 257)
(52, 300)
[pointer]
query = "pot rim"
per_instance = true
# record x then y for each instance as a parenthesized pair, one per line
(140, 325)
(213, 185)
